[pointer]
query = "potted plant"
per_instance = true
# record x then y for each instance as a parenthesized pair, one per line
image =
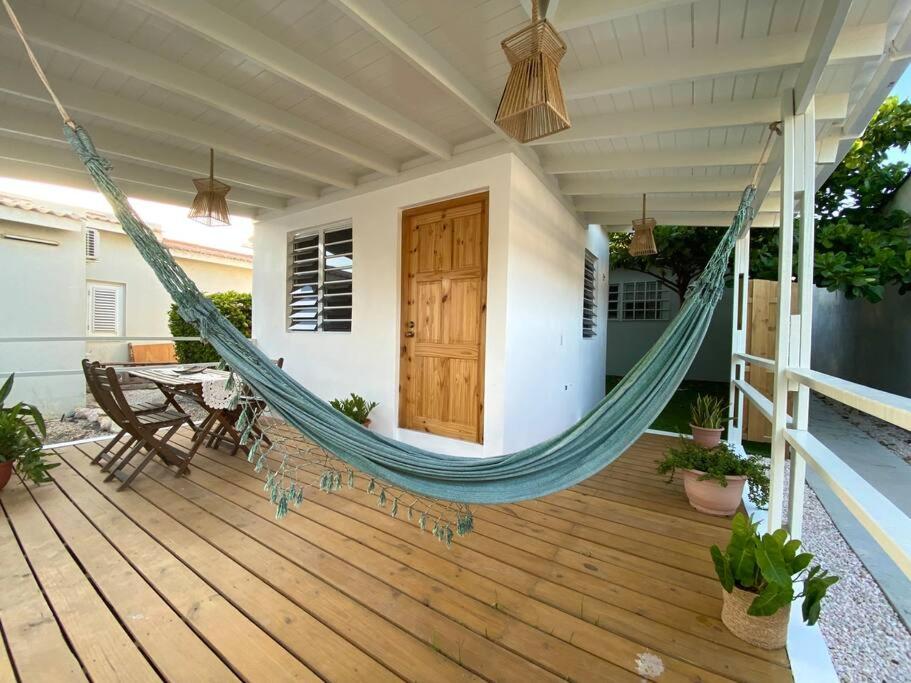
(21, 430)
(713, 478)
(355, 407)
(758, 573)
(708, 416)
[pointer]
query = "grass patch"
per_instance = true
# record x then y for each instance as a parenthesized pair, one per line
(676, 414)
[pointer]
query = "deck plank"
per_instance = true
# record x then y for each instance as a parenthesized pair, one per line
(193, 578)
(533, 599)
(336, 659)
(105, 650)
(252, 651)
(38, 648)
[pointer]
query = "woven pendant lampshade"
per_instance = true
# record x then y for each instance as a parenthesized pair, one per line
(643, 242)
(209, 205)
(532, 104)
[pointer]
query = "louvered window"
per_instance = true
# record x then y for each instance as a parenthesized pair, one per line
(105, 309)
(589, 305)
(92, 243)
(320, 287)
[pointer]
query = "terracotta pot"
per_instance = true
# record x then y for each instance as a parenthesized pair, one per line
(769, 633)
(6, 471)
(710, 497)
(366, 423)
(705, 436)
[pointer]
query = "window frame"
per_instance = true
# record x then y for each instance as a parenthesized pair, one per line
(119, 290)
(613, 301)
(658, 305)
(590, 295)
(322, 258)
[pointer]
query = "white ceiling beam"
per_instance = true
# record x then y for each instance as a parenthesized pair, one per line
(59, 156)
(665, 203)
(214, 24)
(693, 117)
(578, 13)
(695, 218)
(648, 184)
(828, 27)
(22, 82)
(72, 38)
(47, 127)
(376, 17)
(710, 61)
(741, 155)
(24, 170)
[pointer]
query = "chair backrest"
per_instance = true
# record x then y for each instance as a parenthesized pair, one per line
(100, 385)
(280, 362)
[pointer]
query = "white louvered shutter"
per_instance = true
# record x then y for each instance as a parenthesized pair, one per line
(92, 243)
(105, 309)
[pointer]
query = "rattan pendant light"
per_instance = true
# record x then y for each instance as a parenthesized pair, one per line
(532, 104)
(209, 205)
(643, 242)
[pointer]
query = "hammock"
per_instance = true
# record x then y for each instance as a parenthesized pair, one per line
(585, 448)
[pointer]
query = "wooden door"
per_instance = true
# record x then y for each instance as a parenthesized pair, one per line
(444, 302)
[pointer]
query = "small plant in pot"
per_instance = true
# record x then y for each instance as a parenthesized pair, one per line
(708, 415)
(21, 430)
(355, 407)
(758, 572)
(713, 478)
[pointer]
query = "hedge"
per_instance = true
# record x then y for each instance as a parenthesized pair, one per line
(237, 307)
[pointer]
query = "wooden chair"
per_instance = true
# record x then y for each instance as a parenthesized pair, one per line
(142, 428)
(226, 419)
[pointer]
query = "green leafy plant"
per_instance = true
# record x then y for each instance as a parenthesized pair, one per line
(355, 407)
(708, 412)
(237, 307)
(769, 565)
(717, 463)
(21, 430)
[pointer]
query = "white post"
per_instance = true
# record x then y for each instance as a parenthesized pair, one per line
(783, 332)
(805, 303)
(739, 322)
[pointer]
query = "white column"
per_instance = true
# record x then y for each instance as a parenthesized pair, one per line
(783, 332)
(805, 308)
(739, 324)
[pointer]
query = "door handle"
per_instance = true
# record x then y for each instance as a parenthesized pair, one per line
(410, 331)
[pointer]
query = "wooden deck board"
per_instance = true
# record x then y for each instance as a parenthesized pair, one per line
(578, 586)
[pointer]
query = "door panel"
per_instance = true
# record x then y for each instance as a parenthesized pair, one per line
(444, 292)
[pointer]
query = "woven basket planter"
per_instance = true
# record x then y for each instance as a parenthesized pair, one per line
(769, 633)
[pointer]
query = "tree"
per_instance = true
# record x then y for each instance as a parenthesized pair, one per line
(859, 248)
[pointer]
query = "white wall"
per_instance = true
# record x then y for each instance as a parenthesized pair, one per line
(628, 340)
(43, 290)
(366, 360)
(146, 301)
(553, 375)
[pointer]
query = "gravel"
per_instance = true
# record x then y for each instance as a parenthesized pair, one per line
(866, 638)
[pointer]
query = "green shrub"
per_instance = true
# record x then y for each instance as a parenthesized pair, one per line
(21, 431)
(717, 463)
(237, 307)
(355, 407)
(768, 565)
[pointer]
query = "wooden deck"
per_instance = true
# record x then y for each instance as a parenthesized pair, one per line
(193, 579)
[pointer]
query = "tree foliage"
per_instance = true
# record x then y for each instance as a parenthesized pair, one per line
(860, 248)
(237, 307)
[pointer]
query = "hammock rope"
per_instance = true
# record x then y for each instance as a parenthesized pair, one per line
(564, 460)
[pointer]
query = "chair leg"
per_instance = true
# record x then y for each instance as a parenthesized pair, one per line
(112, 473)
(153, 451)
(108, 462)
(108, 447)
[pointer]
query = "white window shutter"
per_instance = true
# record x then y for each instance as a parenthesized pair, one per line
(92, 243)
(105, 309)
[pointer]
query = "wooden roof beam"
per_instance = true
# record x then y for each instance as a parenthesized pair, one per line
(637, 185)
(719, 219)
(667, 202)
(710, 61)
(75, 39)
(214, 24)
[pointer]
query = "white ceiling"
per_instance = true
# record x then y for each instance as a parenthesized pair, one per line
(303, 98)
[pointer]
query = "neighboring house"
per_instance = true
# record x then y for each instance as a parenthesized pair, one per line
(638, 311)
(68, 272)
(482, 335)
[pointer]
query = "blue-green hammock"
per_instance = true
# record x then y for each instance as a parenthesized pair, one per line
(613, 425)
